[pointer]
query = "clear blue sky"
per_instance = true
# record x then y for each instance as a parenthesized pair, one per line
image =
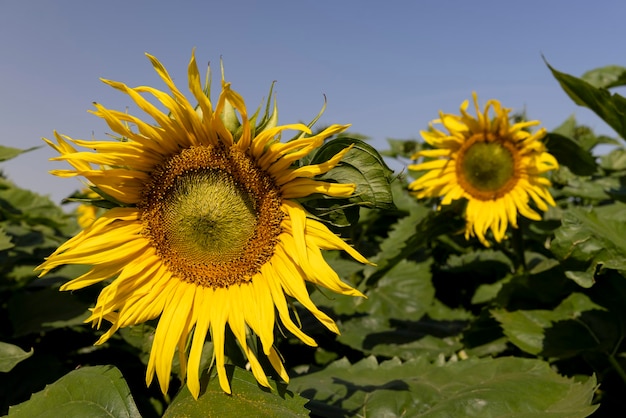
(386, 67)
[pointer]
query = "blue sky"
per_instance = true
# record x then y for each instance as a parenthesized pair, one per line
(385, 67)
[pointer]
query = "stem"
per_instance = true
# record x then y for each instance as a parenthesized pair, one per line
(518, 247)
(618, 368)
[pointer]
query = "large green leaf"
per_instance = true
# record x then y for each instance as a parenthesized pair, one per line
(598, 189)
(46, 309)
(569, 153)
(94, 392)
(503, 387)
(26, 206)
(582, 135)
(615, 160)
(610, 107)
(248, 399)
(363, 166)
(6, 153)
(527, 328)
(591, 240)
(5, 240)
(606, 77)
(10, 355)
(402, 241)
(392, 322)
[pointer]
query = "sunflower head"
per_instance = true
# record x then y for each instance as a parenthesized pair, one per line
(204, 229)
(87, 212)
(496, 165)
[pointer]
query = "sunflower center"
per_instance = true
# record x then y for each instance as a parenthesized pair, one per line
(487, 169)
(212, 215)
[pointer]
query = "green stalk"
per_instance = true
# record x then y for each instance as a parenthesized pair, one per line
(518, 247)
(618, 368)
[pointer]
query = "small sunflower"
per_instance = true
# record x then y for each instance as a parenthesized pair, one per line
(207, 232)
(495, 165)
(87, 213)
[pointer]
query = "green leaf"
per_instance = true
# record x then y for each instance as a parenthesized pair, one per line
(6, 153)
(569, 153)
(5, 240)
(404, 148)
(610, 107)
(98, 391)
(46, 309)
(486, 292)
(591, 240)
(401, 242)
(596, 189)
(248, 399)
(615, 160)
(363, 166)
(405, 292)
(23, 205)
(527, 328)
(606, 77)
(392, 322)
(503, 387)
(10, 355)
(583, 135)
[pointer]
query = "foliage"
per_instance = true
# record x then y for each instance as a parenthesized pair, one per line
(531, 327)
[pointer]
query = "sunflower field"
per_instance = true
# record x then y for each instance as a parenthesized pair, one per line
(219, 264)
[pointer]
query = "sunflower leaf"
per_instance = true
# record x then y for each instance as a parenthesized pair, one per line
(403, 240)
(614, 160)
(569, 153)
(5, 240)
(589, 241)
(583, 135)
(98, 391)
(247, 399)
(606, 77)
(609, 107)
(596, 189)
(362, 166)
(472, 388)
(393, 320)
(6, 153)
(45, 310)
(10, 355)
(528, 329)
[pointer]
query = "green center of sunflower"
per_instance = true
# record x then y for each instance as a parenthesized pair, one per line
(214, 218)
(212, 215)
(487, 169)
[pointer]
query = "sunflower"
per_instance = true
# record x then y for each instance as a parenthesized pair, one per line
(493, 164)
(87, 213)
(207, 232)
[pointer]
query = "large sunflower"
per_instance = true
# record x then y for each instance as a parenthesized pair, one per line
(206, 233)
(495, 165)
